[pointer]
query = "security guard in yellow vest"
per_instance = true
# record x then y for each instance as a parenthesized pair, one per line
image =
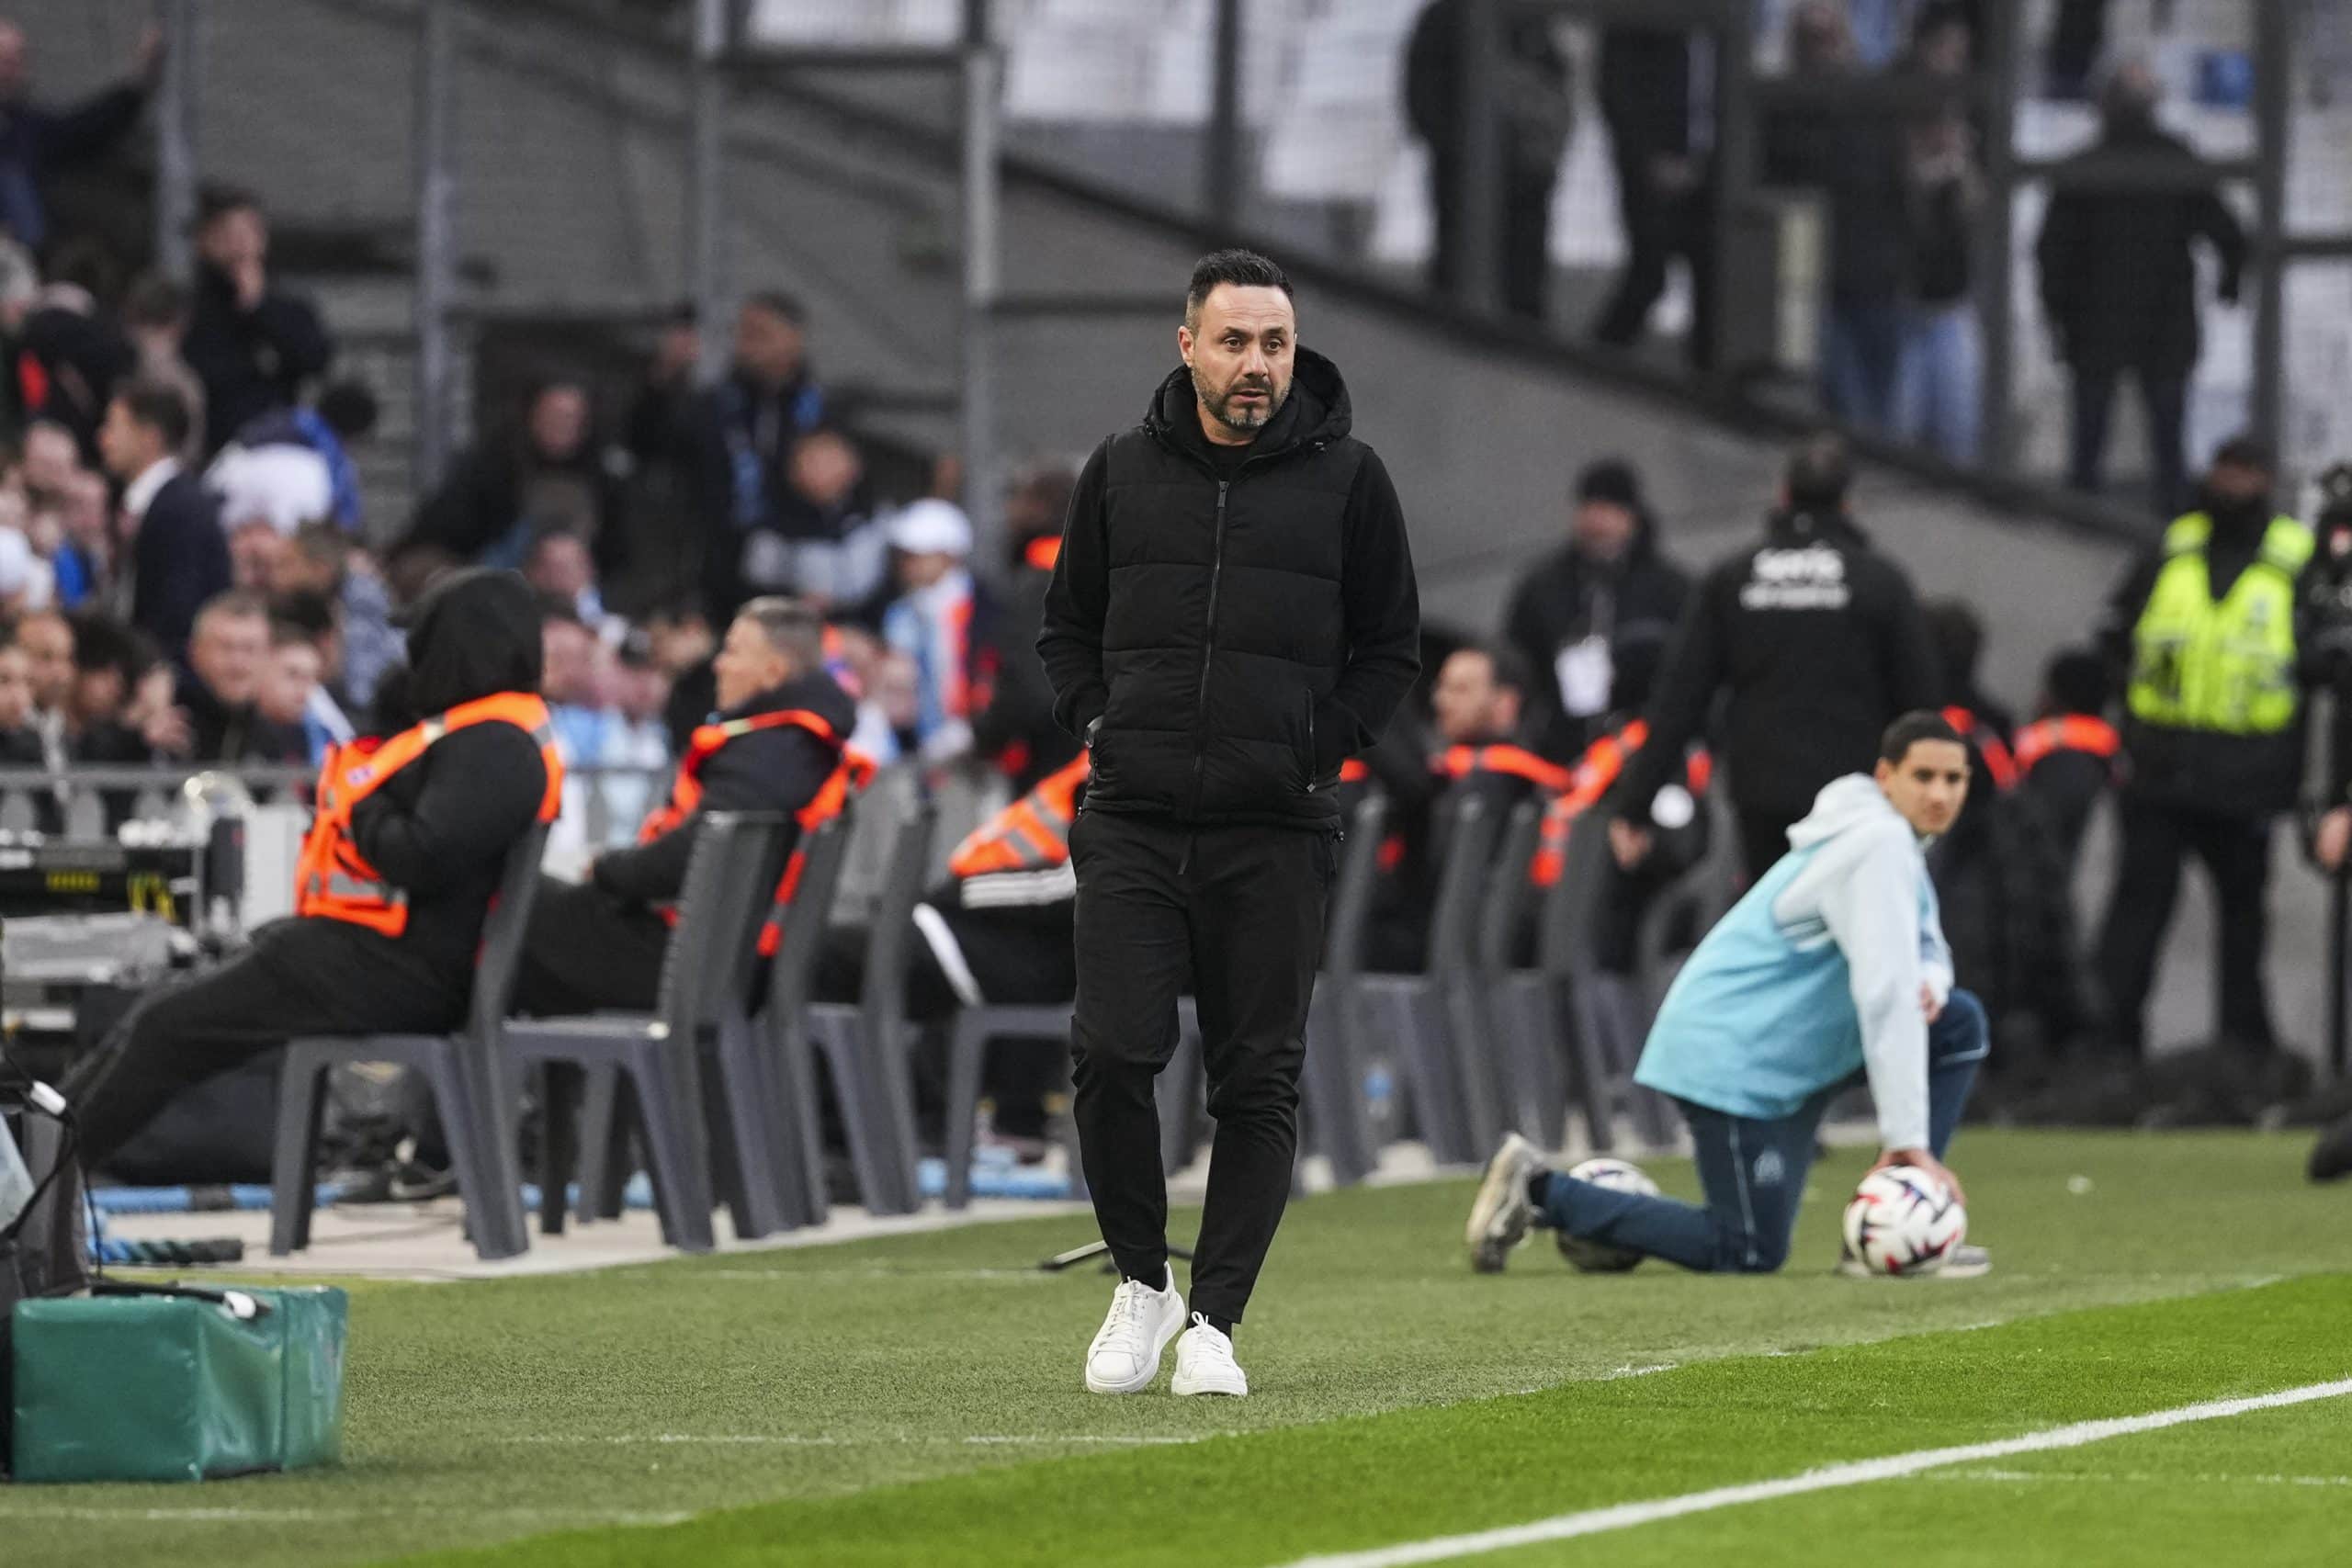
(2206, 632)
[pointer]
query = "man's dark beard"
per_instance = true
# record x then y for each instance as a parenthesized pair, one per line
(1221, 408)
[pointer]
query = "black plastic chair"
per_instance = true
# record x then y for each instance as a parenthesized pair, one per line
(1520, 1020)
(1411, 1011)
(657, 1058)
(1600, 1014)
(1339, 1118)
(781, 1042)
(865, 1042)
(462, 1071)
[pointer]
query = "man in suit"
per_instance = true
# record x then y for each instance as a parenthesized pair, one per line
(178, 556)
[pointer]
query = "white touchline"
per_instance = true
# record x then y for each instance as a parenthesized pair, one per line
(1894, 1467)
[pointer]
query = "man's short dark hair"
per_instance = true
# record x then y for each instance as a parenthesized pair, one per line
(303, 617)
(1506, 667)
(2076, 681)
(1819, 473)
(1911, 729)
(218, 203)
(1243, 269)
(777, 302)
(155, 300)
(234, 603)
(158, 407)
(794, 627)
(2245, 451)
(556, 607)
(349, 409)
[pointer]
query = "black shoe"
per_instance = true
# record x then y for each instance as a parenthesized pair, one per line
(2332, 1156)
(416, 1182)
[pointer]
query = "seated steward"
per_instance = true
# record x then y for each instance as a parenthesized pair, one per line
(775, 745)
(395, 880)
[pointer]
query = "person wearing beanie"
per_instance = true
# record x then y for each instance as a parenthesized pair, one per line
(1582, 609)
(1819, 644)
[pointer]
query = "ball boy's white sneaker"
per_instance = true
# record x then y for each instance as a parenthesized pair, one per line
(1124, 1356)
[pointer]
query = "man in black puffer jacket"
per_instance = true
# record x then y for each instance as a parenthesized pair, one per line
(1232, 616)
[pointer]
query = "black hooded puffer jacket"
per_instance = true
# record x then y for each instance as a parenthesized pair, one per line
(1239, 640)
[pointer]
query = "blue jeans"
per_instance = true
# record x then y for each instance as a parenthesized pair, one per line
(1938, 384)
(1753, 1172)
(1862, 349)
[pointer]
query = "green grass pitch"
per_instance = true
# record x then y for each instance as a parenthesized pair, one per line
(916, 1400)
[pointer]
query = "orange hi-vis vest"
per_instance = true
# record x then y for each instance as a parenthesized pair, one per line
(1595, 774)
(1042, 553)
(2068, 732)
(1032, 834)
(850, 773)
(1989, 746)
(1460, 761)
(332, 880)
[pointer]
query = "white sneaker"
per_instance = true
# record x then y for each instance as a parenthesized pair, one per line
(1205, 1362)
(1967, 1262)
(1124, 1356)
(1500, 1214)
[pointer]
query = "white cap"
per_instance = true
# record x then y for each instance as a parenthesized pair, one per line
(929, 528)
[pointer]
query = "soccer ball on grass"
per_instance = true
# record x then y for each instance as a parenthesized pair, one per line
(1904, 1221)
(1595, 1257)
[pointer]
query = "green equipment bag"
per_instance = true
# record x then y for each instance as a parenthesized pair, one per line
(177, 1386)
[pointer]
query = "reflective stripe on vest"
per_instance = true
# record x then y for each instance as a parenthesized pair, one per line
(1987, 745)
(1516, 762)
(2068, 732)
(1041, 553)
(2226, 668)
(1595, 774)
(1032, 834)
(331, 879)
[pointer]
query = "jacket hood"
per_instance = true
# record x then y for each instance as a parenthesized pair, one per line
(1843, 804)
(816, 693)
(1318, 409)
(474, 633)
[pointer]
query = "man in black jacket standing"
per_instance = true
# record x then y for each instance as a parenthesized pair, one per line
(773, 744)
(1820, 645)
(1233, 614)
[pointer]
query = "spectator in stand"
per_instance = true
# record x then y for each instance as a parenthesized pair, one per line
(1538, 112)
(638, 739)
(551, 472)
(227, 657)
(583, 727)
(941, 620)
(179, 558)
(36, 142)
(1938, 383)
(322, 561)
(1016, 730)
(84, 558)
(1579, 610)
(293, 698)
(50, 461)
(2119, 282)
(70, 353)
(557, 565)
(293, 465)
(26, 582)
(47, 638)
(120, 710)
(21, 744)
(889, 712)
(254, 345)
(257, 554)
(821, 541)
(155, 318)
(1663, 203)
(1856, 159)
(740, 440)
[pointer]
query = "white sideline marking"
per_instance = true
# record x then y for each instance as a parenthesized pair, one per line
(1894, 1467)
(824, 1440)
(1634, 1373)
(2133, 1478)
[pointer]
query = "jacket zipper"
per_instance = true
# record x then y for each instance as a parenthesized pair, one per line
(1310, 743)
(1208, 649)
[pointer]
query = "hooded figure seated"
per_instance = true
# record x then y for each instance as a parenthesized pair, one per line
(395, 880)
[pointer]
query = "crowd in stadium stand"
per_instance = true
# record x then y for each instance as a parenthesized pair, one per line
(188, 573)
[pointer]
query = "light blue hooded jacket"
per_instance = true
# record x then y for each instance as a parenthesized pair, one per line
(1815, 974)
